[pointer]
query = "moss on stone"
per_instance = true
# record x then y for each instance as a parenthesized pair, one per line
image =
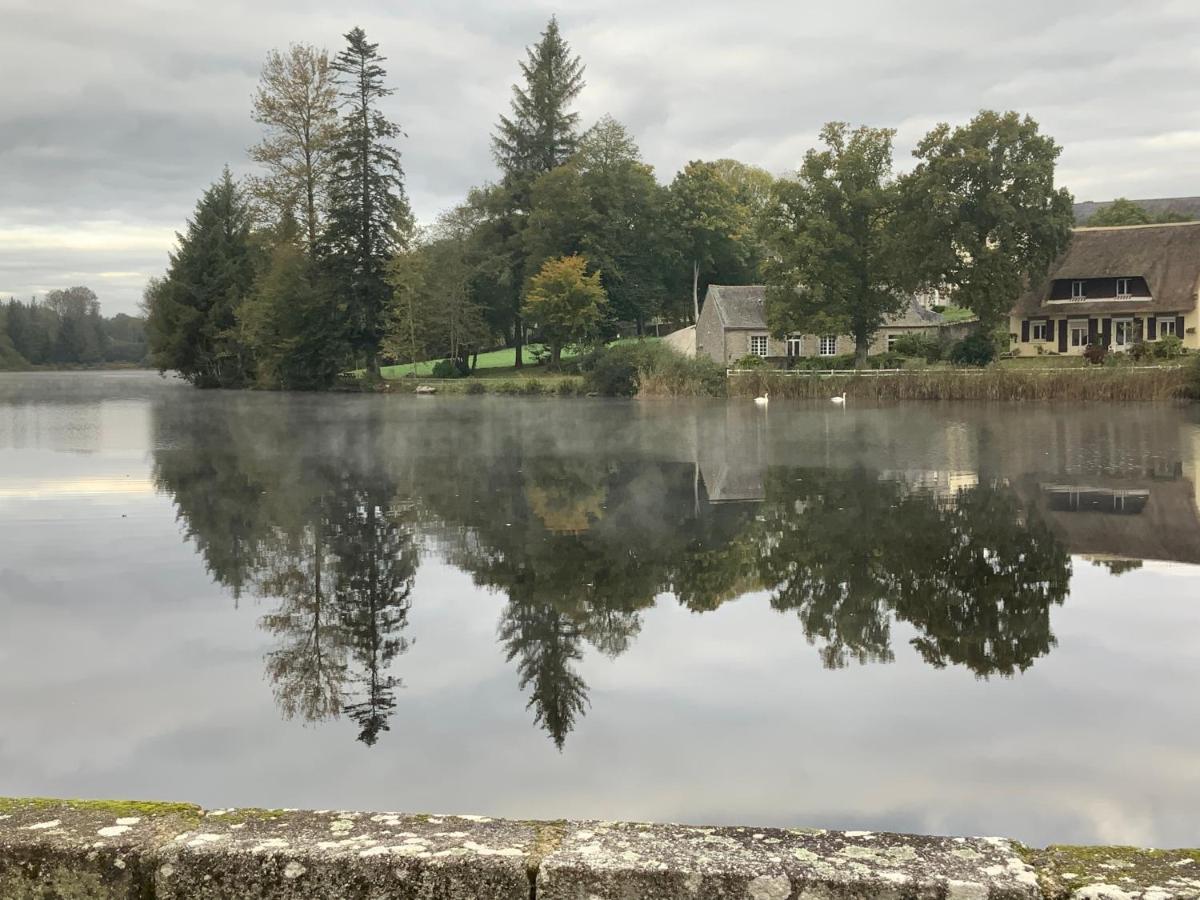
(247, 814)
(1063, 869)
(117, 808)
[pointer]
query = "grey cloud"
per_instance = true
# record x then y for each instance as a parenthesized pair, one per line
(119, 113)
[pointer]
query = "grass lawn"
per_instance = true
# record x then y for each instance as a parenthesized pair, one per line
(493, 364)
(494, 359)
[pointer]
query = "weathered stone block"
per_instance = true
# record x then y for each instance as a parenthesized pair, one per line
(620, 861)
(1117, 873)
(85, 849)
(261, 854)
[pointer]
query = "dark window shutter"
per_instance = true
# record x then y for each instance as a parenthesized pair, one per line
(1050, 330)
(1093, 329)
(1151, 328)
(1106, 332)
(1062, 336)
(1025, 331)
(1179, 327)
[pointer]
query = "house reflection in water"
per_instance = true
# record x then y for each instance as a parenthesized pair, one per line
(1147, 518)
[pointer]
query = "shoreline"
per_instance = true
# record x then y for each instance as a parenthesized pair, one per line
(172, 851)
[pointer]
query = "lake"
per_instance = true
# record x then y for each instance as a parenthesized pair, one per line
(964, 619)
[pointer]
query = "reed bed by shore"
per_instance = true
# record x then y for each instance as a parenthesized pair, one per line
(1074, 385)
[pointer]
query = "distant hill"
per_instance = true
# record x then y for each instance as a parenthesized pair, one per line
(1184, 206)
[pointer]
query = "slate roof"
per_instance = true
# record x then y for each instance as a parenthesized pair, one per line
(1167, 256)
(744, 306)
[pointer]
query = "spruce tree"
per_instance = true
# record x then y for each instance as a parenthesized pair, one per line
(540, 134)
(369, 213)
(191, 324)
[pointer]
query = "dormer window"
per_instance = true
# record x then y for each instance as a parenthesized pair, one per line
(1123, 292)
(1079, 290)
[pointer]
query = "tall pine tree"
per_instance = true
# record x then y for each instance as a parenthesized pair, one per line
(369, 213)
(191, 324)
(540, 134)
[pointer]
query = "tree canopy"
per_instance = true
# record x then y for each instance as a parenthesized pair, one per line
(835, 263)
(983, 210)
(565, 302)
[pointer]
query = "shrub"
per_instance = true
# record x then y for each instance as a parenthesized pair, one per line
(1141, 351)
(977, 349)
(751, 361)
(1096, 352)
(1192, 378)
(476, 387)
(451, 368)
(651, 367)
(919, 346)
(1169, 347)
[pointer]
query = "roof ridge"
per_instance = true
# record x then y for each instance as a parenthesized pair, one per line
(1132, 227)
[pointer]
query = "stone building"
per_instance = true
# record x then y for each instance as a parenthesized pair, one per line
(733, 324)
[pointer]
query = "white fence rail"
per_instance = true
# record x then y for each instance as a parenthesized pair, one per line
(868, 373)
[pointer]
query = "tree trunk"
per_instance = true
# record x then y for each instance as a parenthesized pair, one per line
(695, 291)
(474, 360)
(861, 346)
(518, 341)
(555, 354)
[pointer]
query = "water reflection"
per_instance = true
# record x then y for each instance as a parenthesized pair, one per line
(328, 520)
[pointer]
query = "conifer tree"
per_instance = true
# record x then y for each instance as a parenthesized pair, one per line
(369, 214)
(540, 134)
(191, 322)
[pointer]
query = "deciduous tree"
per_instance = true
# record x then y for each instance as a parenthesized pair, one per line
(834, 236)
(296, 103)
(708, 224)
(983, 212)
(566, 303)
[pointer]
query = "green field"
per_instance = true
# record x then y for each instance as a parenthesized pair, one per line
(493, 359)
(493, 364)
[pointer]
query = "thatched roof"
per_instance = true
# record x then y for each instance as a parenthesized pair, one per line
(744, 306)
(1166, 256)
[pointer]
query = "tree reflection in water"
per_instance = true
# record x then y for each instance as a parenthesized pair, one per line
(329, 522)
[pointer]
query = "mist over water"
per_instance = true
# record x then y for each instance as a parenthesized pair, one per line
(975, 619)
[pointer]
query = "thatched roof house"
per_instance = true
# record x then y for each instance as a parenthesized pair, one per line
(1118, 286)
(733, 324)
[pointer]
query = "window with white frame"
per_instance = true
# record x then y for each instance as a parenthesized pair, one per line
(1123, 292)
(891, 342)
(1078, 290)
(828, 346)
(758, 345)
(1037, 331)
(1079, 333)
(1123, 334)
(795, 345)
(1167, 327)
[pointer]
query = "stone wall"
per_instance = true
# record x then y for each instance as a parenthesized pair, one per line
(69, 850)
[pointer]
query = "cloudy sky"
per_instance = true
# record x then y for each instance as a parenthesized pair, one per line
(114, 116)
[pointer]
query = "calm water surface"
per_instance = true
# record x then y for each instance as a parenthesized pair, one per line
(957, 619)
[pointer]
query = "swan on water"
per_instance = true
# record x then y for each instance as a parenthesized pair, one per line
(840, 401)
(763, 400)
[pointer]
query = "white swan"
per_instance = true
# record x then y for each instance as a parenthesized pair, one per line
(840, 401)
(763, 400)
